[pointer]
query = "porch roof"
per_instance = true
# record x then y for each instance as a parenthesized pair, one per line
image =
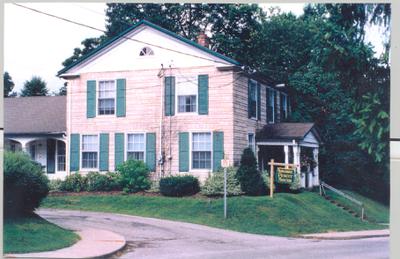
(286, 132)
(35, 115)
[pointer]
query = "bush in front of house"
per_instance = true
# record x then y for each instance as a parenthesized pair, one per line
(249, 177)
(55, 185)
(103, 182)
(267, 181)
(214, 185)
(295, 186)
(134, 176)
(178, 186)
(74, 182)
(25, 184)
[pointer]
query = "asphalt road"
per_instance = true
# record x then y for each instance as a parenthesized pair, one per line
(154, 238)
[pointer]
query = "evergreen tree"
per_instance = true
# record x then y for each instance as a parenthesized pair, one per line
(34, 87)
(249, 177)
(8, 85)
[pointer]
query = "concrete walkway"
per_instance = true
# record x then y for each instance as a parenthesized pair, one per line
(94, 243)
(349, 234)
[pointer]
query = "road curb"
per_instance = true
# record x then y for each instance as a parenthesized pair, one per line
(347, 235)
(94, 243)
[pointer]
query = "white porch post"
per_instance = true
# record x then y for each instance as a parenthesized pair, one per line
(286, 150)
(296, 157)
(316, 170)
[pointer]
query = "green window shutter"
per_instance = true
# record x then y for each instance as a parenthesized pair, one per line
(258, 101)
(119, 149)
(104, 140)
(183, 152)
(249, 99)
(74, 153)
(169, 95)
(218, 149)
(203, 94)
(121, 97)
(91, 99)
(151, 151)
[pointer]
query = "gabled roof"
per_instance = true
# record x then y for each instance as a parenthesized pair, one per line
(35, 115)
(156, 27)
(286, 131)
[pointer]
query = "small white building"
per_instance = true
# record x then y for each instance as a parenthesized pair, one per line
(37, 126)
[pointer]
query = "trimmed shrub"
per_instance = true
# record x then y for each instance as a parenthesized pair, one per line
(103, 182)
(248, 176)
(266, 179)
(114, 181)
(295, 186)
(25, 184)
(55, 185)
(96, 182)
(178, 186)
(155, 186)
(74, 183)
(214, 185)
(134, 176)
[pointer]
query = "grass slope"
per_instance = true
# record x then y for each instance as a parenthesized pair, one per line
(284, 215)
(374, 210)
(35, 234)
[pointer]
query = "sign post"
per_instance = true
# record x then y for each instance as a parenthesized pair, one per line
(225, 165)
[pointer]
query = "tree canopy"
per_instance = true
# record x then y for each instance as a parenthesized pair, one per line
(36, 86)
(8, 85)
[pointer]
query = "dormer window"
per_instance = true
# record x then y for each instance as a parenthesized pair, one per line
(146, 51)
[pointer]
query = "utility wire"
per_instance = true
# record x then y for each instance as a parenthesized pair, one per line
(125, 37)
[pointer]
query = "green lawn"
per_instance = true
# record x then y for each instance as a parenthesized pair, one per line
(284, 215)
(35, 234)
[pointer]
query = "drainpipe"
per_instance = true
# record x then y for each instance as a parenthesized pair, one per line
(161, 162)
(67, 153)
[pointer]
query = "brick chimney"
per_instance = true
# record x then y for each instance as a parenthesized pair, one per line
(202, 39)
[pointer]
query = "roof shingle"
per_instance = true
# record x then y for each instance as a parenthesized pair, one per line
(288, 131)
(35, 115)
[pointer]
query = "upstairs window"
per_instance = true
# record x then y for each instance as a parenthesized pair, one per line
(270, 105)
(187, 91)
(253, 100)
(135, 147)
(106, 97)
(146, 51)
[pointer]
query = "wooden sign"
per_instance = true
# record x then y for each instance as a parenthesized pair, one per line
(285, 175)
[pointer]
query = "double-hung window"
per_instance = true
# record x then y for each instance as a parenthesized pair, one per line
(253, 99)
(270, 105)
(90, 149)
(135, 146)
(201, 150)
(187, 89)
(284, 106)
(106, 97)
(60, 156)
(251, 142)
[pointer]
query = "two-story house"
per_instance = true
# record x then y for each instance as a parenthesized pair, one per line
(152, 95)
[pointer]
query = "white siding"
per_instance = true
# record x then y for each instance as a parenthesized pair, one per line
(126, 55)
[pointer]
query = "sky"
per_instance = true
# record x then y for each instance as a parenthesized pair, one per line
(36, 45)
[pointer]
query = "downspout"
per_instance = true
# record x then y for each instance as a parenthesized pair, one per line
(161, 159)
(68, 151)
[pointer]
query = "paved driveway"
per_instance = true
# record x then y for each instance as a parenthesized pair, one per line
(153, 238)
